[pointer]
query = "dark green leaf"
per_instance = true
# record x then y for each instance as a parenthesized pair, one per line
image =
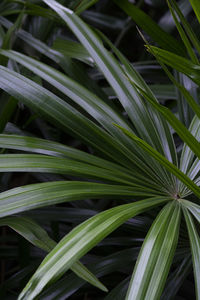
(80, 240)
(156, 255)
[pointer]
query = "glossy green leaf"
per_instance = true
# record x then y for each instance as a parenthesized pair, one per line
(75, 71)
(100, 267)
(192, 207)
(187, 163)
(88, 101)
(92, 104)
(65, 116)
(145, 122)
(60, 113)
(51, 148)
(156, 255)
(80, 240)
(41, 163)
(43, 194)
(166, 21)
(112, 71)
(184, 93)
(177, 62)
(164, 131)
(168, 165)
(181, 130)
(36, 235)
(195, 248)
(30, 230)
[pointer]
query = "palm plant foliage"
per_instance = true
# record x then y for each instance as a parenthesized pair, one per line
(137, 170)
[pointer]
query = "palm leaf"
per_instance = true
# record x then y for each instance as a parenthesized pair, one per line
(80, 240)
(156, 255)
(43, 194)
(195, 248)
(36, 235)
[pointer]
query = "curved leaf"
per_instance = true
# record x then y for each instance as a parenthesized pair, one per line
(164, 131)
(192, 207)
(43, 194)
(196, 6)
(61, 113)
(80, 240)
(195, 248)
(91, 103)
(36, 235)
(128, 96)
(156, 255)
(177, 62)
(42, 163)
(168, 165)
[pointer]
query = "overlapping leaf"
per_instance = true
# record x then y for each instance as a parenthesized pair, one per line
(36, 235)
(81, 240)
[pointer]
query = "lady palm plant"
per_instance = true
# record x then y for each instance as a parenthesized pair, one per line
(134, 158)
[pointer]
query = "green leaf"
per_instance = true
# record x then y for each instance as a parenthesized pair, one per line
(182, 90)
(92, 104)
(42, 163)
(61, 113)
(145, 22)
(80, 240)
(73, 69)
(36, 235)
(164, 131)
(174, 11)
(8, 38)
(32, 9)
(100, 267)
(195, 248)
(188, 165)
(43, 194)
(168, 165)
(109, 66)
(68, 117)
(188, 29)
(145, 123)
(83, 5)
(181, 130)
(51, 148)
(196, 7)
(156, 255)
(72, 49)
(192, 207)
(177, 62)
(88, 101)
(30, 230)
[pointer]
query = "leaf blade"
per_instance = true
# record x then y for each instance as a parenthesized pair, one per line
(80, 241)
(36, 235)
(43, 194)
(195, 248)
(158, 249)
